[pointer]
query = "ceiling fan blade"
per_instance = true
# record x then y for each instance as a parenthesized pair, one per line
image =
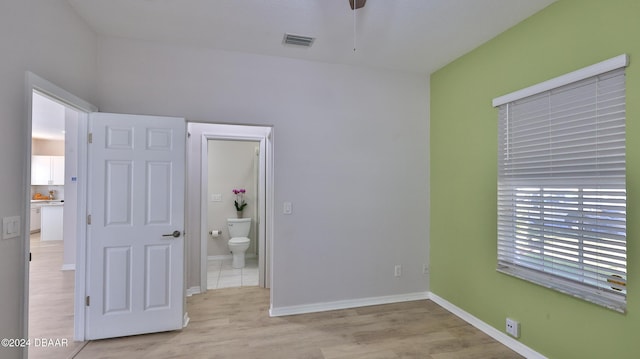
(358, 3)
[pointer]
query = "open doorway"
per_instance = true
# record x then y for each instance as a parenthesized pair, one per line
(259, 150)
(51, 279)
(52, 222)
(233, 191)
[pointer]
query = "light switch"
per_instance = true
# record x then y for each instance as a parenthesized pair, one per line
(286, 209)
(216, 197)
(10, 227)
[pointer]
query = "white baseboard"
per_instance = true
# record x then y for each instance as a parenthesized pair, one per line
(496, 334)
(193, 290)
(346, 304)
(69, 266)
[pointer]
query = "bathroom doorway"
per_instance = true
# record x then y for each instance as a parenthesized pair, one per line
(233, 168)
(255, 176)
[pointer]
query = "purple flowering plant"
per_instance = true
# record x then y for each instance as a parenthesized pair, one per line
(239, 202)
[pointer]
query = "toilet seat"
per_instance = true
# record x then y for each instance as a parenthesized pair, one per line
(239, 240)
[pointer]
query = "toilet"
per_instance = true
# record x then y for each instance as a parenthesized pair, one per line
(239, 243)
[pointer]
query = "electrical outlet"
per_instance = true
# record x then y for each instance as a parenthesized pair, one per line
(513, 328)
(397, 271)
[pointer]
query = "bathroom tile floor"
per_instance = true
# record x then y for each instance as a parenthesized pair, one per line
(220, 274)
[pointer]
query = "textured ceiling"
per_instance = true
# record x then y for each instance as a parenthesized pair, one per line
(411, 35)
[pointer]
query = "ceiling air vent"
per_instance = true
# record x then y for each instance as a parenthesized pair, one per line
(298, 40)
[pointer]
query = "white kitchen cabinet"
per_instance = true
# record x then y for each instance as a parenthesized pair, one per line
(52, 215)
(40, 170)
(57, 170)
(35, 218)
(47, 170)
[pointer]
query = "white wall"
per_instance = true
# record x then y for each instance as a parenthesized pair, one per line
(351, 154)
(47, 38)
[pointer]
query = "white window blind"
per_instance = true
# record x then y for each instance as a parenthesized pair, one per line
(562, 190)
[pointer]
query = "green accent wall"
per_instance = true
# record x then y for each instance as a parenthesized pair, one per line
(565, 36)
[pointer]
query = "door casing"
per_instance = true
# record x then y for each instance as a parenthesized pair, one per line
(35, 82)
(264, 135)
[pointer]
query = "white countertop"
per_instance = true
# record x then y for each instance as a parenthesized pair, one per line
(44, 202)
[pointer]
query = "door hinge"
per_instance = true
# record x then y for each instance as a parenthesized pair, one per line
(90, 137)
(88, 219)
(29, 256)
(87, 301)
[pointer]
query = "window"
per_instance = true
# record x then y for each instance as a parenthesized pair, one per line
(561, 184)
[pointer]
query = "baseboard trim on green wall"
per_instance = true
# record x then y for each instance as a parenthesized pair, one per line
(496, 334)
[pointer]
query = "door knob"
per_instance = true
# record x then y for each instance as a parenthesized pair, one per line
(175, 234)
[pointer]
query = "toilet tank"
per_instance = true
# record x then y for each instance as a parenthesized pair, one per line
(239, 227)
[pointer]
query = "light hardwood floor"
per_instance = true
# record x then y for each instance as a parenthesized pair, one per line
(50, 300)
(234, 323)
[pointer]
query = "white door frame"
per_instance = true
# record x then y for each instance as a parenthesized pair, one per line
(261, 134)
(35, 82)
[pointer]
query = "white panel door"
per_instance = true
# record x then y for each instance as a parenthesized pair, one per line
(135, 246)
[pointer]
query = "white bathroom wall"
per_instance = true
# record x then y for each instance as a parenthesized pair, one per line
(351, 155)
(49, 39)
(231, 166)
